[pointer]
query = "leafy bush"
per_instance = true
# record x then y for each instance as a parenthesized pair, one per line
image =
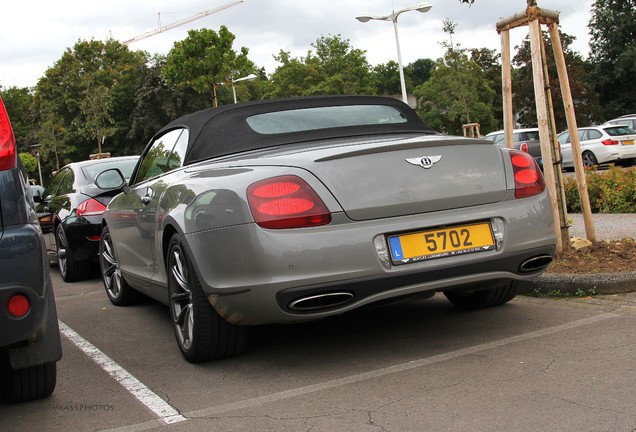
(611, 191)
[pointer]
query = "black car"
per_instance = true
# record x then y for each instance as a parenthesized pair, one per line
(29, 335)
(71, 214)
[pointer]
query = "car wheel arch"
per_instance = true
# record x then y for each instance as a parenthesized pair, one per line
(168, 231)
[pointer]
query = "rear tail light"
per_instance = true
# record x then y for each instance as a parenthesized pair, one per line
(524, 147)
(609, 142)
(18, 305)
(7, 141)
(90, 207)
(528, 178)
(286, 202)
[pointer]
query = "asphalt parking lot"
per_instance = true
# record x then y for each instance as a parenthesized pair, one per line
(533, 364)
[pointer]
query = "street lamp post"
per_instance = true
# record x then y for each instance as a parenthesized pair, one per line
(36, 151)
(422, 7)
(249, 77)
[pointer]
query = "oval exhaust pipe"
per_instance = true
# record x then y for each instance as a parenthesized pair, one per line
(536, 263)
(320, 301)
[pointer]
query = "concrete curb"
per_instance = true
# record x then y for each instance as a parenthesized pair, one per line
(574, 284)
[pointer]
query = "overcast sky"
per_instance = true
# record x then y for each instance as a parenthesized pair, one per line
(35, 34)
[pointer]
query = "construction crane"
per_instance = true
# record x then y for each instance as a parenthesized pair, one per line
(170, 26)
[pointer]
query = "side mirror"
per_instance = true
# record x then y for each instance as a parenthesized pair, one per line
(111, 179)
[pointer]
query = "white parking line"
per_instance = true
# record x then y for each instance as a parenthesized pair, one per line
(166, 412)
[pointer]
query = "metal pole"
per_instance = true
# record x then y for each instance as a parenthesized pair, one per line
(37, 155)
(405, 98)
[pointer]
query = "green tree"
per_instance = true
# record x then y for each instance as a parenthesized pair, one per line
(419, 71)
(613, 55)
(387, 78)
(584, 97)
(30, 163)
(335, 68)
(457, 93)
(19, 104)
(92, 72)
(96, 123)
(51, 133)
(205, 58)
(489, 61)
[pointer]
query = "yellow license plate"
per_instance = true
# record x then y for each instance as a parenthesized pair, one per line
(628, 142)
(441, 242)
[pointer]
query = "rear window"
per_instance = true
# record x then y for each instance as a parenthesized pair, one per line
(323, 118)
(532, 135)
(619, 130)
(125, 166)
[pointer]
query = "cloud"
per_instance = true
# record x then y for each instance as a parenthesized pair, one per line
(33, 44)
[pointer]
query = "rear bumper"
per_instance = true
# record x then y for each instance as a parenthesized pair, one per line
(83, 235)
(34, 338)
(251, 275)
(489, 271)
(628, 151)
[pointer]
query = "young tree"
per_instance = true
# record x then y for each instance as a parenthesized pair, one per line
(96, 123)
(205, 62)
(489, 62)
(457, 93)
(613, 55)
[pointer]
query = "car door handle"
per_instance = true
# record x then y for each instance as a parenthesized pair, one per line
(145, 200)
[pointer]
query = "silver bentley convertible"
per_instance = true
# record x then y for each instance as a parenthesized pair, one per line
(292, 210)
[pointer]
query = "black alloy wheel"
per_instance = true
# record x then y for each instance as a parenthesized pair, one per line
(70, 269)
(200, 332)
(117, 289)
(589, 160)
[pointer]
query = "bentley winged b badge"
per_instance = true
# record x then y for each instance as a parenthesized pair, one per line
(425, 161)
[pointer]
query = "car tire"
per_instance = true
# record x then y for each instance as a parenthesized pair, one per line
(201, 333)
(589, 160)
(117, 289)
(483, 298)
(70, 269)
(21, 385)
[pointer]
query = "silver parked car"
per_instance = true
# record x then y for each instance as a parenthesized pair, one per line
(526, 140)
(600, 145)
(292, 210)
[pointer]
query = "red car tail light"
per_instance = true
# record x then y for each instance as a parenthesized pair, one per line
(7, 141)
(90, 207)
(528, 178)
(19, 305)
(609, 142)
(524, 147)
(286, 202)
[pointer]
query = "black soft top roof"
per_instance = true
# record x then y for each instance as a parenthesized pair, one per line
(222, 131)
